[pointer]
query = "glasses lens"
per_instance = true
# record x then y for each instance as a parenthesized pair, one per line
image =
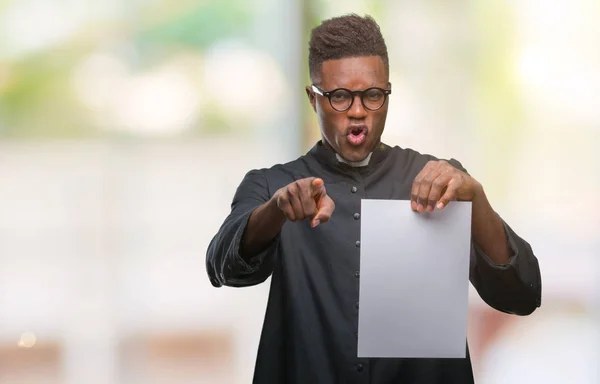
(340, 99)
(373, 98)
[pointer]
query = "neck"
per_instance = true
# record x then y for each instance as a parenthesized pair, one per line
(361, 163)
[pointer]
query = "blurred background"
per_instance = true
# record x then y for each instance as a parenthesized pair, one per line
(126, 125)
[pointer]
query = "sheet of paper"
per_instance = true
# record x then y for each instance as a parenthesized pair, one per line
(414, 280)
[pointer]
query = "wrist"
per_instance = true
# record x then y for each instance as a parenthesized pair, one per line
(272, 207)
(478, 192)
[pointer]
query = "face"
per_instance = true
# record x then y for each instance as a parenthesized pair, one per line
(354, 133)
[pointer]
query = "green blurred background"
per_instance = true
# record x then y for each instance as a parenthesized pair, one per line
(126, 125)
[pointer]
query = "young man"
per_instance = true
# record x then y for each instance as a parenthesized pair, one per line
(300, 223)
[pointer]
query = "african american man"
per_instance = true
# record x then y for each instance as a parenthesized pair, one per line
(282, 224)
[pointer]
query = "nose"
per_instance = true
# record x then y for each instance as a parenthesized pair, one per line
(357, 110)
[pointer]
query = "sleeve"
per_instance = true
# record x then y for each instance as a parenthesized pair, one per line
(515, 287)
(224, 264)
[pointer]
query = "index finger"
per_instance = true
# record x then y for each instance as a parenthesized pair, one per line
(318, 187)
(416, 185)
(420, 183)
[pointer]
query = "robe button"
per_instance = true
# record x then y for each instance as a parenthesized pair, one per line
(358, 244)
(359, 367)
(354, 190)
(356, 216)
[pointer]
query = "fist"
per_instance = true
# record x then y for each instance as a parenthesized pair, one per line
(305, 199)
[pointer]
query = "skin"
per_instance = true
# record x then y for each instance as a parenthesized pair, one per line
(304, 199)
(354, 73)
(435, 186)
(439, 183)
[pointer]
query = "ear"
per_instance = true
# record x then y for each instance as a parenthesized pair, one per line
(311, 98)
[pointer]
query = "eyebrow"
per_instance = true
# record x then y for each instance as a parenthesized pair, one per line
(367, 87)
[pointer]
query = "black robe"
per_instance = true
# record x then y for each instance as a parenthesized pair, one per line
(309, 335)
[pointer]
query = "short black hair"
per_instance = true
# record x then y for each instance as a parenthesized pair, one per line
(345, 36)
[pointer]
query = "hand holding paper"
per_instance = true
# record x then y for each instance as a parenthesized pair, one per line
(438, 183)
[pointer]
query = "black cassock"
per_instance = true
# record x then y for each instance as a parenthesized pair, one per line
(309, 335)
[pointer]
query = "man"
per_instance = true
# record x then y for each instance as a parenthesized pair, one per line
(300, 223)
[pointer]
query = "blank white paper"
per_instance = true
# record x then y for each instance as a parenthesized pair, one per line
(414, 280)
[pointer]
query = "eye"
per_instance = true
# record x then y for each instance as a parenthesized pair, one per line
(340, 95)
(374, 94)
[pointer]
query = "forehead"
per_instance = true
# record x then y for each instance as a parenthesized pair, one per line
(354, 72)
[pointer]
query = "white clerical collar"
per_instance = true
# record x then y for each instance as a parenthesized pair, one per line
(361, 163)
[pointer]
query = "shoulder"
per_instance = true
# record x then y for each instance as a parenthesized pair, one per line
(289, 170)
(279, 169)
(409, 157)
(277, 175)
(411, 154)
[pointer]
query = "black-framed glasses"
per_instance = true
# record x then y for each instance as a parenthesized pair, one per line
(341, 99)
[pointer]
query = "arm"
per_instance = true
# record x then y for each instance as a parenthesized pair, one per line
(244, 250)
(487, 229)
(503, 268)
(514, 287)
(243, 253)
(264, 225)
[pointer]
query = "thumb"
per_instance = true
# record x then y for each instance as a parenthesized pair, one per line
(448, 196)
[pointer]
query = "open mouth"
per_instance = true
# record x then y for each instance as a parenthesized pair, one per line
(357, 135)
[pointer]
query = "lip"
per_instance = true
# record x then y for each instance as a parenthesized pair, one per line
(357, 140)
(357, 127)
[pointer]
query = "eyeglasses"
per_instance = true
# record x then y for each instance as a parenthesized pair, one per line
(341, 99)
